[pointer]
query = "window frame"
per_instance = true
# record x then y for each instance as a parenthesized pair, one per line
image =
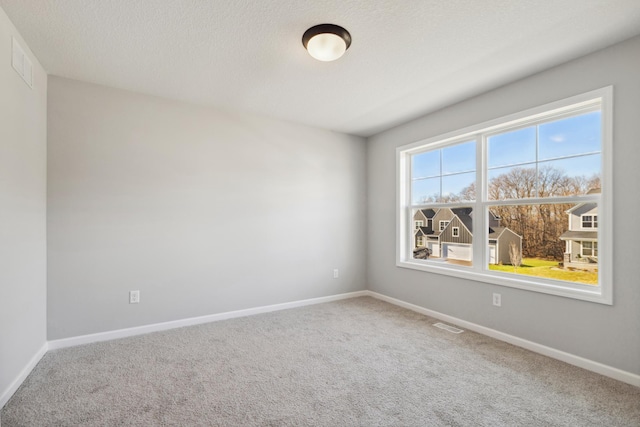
(600, 99)
(418, 223)
(455, 231)
(593, 221)
(593, 248)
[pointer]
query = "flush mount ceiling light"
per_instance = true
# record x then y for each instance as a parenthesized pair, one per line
(326, 42)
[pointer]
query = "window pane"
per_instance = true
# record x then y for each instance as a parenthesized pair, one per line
(566, 177)
(425, 165)
(517, 182)
(458, 187)
(536, 240)
(512, 148)
(456, 180)
(572, 176)
(425, 190)
(459, 158)
(589, 221)
(572, 136)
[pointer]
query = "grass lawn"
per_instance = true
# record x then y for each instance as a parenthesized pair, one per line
(549, 269)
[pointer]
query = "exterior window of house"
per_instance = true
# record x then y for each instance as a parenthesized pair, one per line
(419, 224)
(419, 241)
(530, 189)
(589, 249)
(589, 221)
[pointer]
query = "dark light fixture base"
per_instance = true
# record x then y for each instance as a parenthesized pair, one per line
(326, 29)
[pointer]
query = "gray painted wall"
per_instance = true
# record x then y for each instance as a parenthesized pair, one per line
(203, 211)
(607, 334)
(23, 293)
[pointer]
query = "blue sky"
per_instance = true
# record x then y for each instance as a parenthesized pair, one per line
(572, 144)
(566, 137)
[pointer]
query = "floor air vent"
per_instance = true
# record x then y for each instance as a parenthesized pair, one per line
(449, 328)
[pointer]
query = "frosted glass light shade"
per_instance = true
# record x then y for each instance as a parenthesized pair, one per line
(326, 47)
(326, 42)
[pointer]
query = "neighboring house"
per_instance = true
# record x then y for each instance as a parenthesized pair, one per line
(420, 236)
(500, 239)
(439, 222)
(423, 226)
(457, 237)
(452, 236)
(423, 218)
(581, 240)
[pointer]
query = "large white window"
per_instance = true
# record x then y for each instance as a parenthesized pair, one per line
(514, 184)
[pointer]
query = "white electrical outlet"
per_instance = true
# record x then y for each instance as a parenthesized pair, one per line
(336, 273)
(134, 297)
(497, 300)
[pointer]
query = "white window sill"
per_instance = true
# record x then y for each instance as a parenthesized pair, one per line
(590, 293)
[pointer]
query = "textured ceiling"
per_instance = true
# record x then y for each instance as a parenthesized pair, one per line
(408, 57)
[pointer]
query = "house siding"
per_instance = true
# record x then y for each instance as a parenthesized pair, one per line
(493, 220)
(573, 256)
(447, 234)
(576, 214)
(575, 248)
(441, 215)
(504, 242)
(419, 233)
(419, 216)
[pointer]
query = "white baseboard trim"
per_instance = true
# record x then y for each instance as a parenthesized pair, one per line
(6, 394)
(139, 330)
(608, 371)
(581, 362)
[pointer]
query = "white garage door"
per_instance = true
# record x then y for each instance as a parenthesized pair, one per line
(434, 248)
(457, 251)
(492, 254)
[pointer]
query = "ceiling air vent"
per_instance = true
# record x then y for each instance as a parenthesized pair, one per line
(22, 64)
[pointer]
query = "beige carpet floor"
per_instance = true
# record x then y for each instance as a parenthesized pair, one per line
(357, 362)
